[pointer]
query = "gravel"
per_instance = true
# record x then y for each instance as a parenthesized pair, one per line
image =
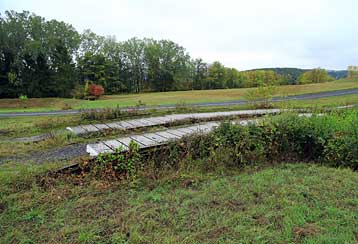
(65, 153)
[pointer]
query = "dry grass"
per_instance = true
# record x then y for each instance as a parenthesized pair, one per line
(162, 98)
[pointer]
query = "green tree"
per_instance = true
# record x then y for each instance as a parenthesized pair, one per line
(216, 76)
(200, 74)
(36, 56)
(231, 78)
(315, 76)
(49, 58)
(261, 97)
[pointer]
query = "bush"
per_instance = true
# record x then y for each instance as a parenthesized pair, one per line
(78, 92)
(261, 97)
(331, 139)
(315, 76)
(96, 90)
(87, 91)
(66, 106)
(23, 100)
(119, 164)
(342, 150)
(102, 114)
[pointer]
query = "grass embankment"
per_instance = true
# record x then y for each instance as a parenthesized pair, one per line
(284, 204)
(222, 187)
(164, 98)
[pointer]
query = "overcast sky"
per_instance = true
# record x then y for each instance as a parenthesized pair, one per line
(242, 34)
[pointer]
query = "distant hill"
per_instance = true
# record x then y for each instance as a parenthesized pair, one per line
(338, 74)
(292, 74)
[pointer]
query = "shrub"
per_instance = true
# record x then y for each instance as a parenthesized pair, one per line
(96, 90)
(112, 113)
(101, 114)
(78, 92)
(261, 97)
(66, 106)
(119, 164)
(182, 106)
(87, 91)
(331, 139)
(342, 150)
(247, 142)
(315, 76)
(140, 104)
(23, 100)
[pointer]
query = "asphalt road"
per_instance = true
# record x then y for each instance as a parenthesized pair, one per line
(209, 104)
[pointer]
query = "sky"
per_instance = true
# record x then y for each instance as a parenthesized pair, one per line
(244, 34)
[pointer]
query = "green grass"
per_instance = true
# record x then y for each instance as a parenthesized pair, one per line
(29, 126)
(164, 98)
(327, 102)
(294, 203)
(32, 125)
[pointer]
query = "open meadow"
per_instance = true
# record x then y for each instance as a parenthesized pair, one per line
(165, 98)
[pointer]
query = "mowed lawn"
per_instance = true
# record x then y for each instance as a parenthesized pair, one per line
(294, 203)
(164, 98)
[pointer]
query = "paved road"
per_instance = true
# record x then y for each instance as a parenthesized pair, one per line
(209, 104)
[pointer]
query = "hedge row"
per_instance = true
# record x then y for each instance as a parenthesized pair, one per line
(331, 139)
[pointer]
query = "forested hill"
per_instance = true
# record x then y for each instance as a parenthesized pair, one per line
(50, 58)
(293, 74)
(338, 74)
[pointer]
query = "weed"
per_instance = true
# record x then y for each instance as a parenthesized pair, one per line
(140, 104)
(66, 106)
(87, 237)
(112, 113)
(119, 164)
(35, 215)
(23, 100)
(101, 114)
(182, 107)
(261, 97)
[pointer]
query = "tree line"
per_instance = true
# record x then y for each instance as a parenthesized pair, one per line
(49, 58)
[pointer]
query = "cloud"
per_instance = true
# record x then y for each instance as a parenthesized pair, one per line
(242, 34)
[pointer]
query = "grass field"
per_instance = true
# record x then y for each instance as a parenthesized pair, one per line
(294, 203)
(32, 125)
(29, 126)
(163, 98)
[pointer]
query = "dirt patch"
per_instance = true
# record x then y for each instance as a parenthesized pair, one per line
(259, 219)
(235, 205)
(188, 183)
(2, 207)
(258, 199)
(217, 232)
(5, 132)
(305, 231)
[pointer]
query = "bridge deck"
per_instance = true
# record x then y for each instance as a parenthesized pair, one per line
(153, 139)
